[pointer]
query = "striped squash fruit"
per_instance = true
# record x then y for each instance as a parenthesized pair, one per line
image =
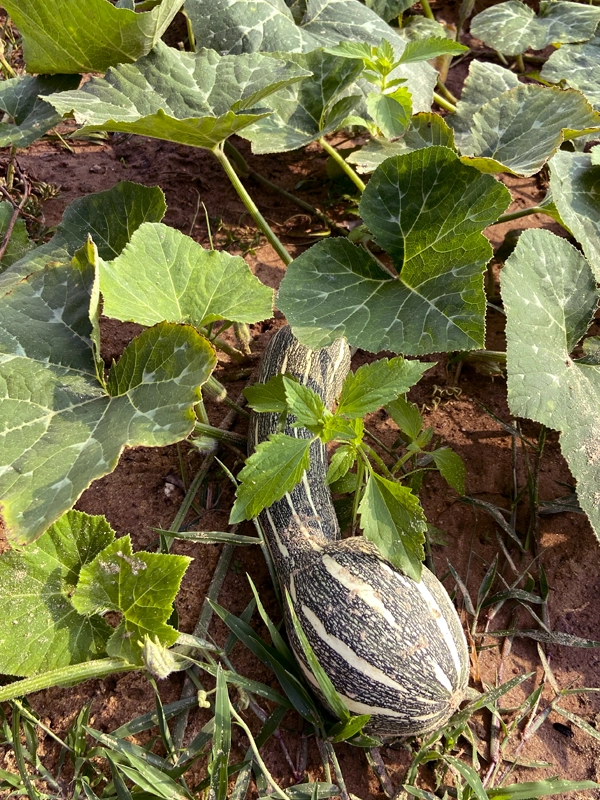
(393, 648)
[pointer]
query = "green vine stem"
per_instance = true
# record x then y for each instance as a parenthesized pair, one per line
(243, 165)
(524, 212)
(221, 435)
(261, 222)
(427, 9)
(443, 103)
(76, 673)
(343, 164)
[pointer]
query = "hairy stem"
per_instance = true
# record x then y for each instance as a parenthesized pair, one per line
(343, 164)
(261, 222)
(524, 212)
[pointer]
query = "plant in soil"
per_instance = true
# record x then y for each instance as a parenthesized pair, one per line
(80, 602)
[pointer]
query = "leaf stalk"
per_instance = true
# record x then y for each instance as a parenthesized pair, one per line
(331, 151)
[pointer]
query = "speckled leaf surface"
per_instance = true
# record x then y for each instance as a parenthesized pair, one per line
(575, 187)
(427, 210)
(197, 99)
(41, 630)
(61, 427)
(550, 297)
(88, 35)
(518, 131)
(163, 275)
(577, 65)
(512, 27)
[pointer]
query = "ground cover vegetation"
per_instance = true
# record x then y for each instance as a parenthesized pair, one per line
(409, 278)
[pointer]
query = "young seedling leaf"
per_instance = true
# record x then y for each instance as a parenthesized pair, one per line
(512, 28)
(305, 404)
(391, 112)
(550, 297)
(521, 129)
(31, 117)
(267, 397)
(575, 187)
(424, 49)
(376, 384)
(452, 468)
(205, 99)
(269, 26)
(309, 109)
(406, 416)
(342, 460)
(87, 36)
(62, 427)
(391, 517)
(273, 469)
(425, 129)
(19, 243)
(484, 82)
(141, 586)
(164, 275)
(437, 301)
(110, 217)
(576, 65)
(41, 630)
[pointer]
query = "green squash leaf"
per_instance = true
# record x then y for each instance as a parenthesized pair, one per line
(306, 405)
(423, 49)
(424, 130)
(388, 9)
(550, 298)
(86, 36)
(109, 217)
(427, 210)
(376, 384)
(310, 108)
(19, 243)
(141, 586)
(267, 397)
(484, 82)
(41, 629)
(204, 100)
(575, 187)
(407, 417)
(576, 65)
(391, 112)
(521, 129)
(164, 275)
(61, 427)
(31, 117)
(236, 26)
(342, 460)
(392, 518)
(512, 28)
(273, 469)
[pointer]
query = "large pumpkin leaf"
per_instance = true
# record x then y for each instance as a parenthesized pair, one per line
(550, 297)
(521, 129)
(197, 99)
(575, 187)
(41, 629)
(141, 586)
(110, 218)
(87, 35)
(512, 27)
(61, 426)
(164, 275)
(427, 209)
(484, 82)
(309, 109)
(269, 26)
(577, 65)
(31, 117)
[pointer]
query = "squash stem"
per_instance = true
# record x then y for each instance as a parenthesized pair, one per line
(261, 222)
(343, 164)
(443, 103)
(427, 9)
(524, 212)
(75, 673)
